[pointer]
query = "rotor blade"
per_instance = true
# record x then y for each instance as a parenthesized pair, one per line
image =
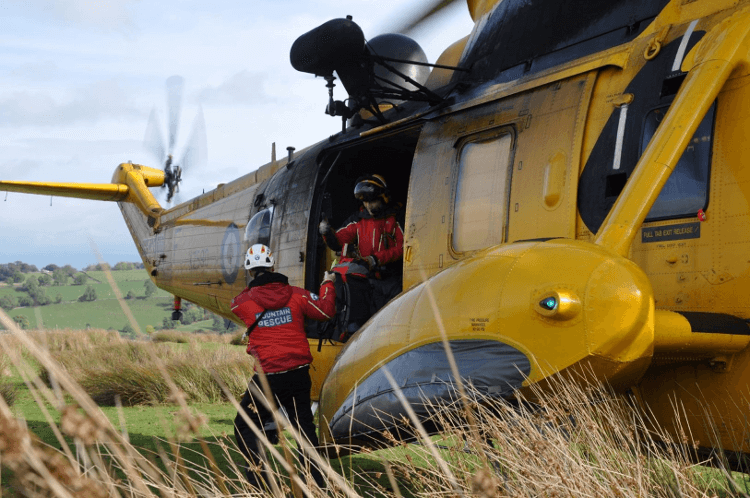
(175, 85)
(163, 197)
(195, 156)
(153, 141)
(427, 12)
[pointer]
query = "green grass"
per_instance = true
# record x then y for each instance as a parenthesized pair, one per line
(126, 280)
(105, 312)
(101, 313)
(9, 290)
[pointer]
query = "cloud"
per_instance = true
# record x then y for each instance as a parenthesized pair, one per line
(245, 87)
(36, 71)
(15, 168)
(98, 101)
(112, 15)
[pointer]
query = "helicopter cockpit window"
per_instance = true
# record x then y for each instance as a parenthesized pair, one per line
(481, 202)
(258, 230)
(686, 190)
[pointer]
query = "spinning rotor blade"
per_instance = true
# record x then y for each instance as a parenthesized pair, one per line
(422, 16)
(153, 140)
(175, 85)
(195, 156)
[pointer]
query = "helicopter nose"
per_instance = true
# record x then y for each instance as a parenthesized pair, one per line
(425, 378)
(512, 316)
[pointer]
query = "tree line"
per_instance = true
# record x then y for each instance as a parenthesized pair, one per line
(15, 272)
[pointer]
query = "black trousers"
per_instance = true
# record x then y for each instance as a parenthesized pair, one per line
(292, 391)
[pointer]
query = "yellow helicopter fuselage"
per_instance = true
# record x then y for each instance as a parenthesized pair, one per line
(583, 211)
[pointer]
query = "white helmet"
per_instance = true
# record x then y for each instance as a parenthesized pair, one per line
(258, 256)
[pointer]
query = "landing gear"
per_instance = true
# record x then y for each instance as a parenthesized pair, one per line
(177, 312)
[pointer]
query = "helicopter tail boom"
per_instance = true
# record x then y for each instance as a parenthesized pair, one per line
(94, 191)
(130, 183)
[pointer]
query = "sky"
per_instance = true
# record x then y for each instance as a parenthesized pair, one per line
(79, 78)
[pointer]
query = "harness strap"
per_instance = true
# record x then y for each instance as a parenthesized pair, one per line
(255, 324)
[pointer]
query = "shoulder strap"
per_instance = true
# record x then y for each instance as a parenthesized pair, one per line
(255, 324)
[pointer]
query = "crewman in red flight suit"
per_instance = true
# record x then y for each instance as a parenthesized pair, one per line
(376, 234)
(275, 313)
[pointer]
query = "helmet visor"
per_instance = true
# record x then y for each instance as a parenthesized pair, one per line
(367, 191)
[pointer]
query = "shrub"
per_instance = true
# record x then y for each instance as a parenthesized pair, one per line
(22, 321)
(222, 325)
(31, 284)
(8, 302)
(80, 279)
(8, 390)
(150, 288)
(191, 315)
(97, 267)
(58, 298)
(88, 295)
(130, 295)
(150, 329)
(60, 277)
(25, 301)
(127, 331)
(238, 339)
(41, 298)
(69, 270)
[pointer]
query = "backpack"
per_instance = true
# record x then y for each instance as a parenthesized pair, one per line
(337, 327)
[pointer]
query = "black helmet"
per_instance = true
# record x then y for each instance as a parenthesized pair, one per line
(370, 187)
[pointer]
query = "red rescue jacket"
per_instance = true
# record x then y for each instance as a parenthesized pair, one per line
(381, 237)
(279, 342)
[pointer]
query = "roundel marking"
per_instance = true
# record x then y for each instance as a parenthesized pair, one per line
(231, 254)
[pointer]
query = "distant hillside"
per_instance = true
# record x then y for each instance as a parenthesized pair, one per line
(67, 308)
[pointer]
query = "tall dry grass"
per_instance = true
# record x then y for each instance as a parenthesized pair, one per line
(58, 340)
(134, 371)
(8, 389)
(181, 337)
(574, 440)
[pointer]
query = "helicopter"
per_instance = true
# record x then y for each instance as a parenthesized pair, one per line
(575, 200)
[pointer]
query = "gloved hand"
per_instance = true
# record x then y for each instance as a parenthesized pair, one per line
(329, 277)
(371, 261)
(324, 227)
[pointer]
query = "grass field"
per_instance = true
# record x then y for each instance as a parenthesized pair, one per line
(126, 280)
(103, 313)
(564, 445)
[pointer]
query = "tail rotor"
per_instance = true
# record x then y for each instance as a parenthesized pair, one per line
(193, 157)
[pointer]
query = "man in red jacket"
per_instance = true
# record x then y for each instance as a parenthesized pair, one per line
(376, 234)
(275, 313)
